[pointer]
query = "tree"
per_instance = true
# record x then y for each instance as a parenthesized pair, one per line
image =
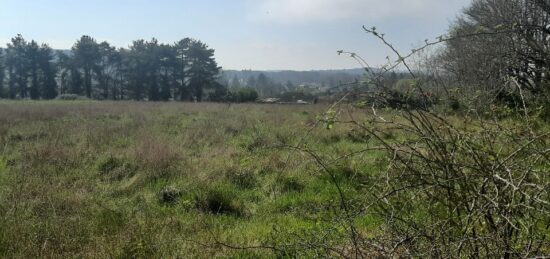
(203, 69)
(263, 85)
(497, 40)
(32, 51)
(2, 73)
(145, 64)
(48, 72)
(106, 69)
(168, 65)
(70, 77)
(135, 69)
(152, 66)
(17, 63)
(182, 63)
(147, 70)
(87, 56)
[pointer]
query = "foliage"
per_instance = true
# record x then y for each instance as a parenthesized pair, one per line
(240, 95)
(147, 70)
(31, 70)
(245, 95)
(467, 182)
(497, 41)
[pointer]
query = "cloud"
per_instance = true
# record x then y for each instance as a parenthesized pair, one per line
(305, 11)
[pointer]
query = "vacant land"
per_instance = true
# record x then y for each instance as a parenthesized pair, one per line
(88, 179)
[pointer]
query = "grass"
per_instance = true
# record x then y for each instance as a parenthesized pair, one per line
(130, 180)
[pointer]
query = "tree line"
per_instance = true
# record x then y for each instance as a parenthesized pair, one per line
(146, 70)
(500, 47)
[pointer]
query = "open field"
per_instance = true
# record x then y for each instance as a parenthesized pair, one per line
(90, 179)
(431, 142)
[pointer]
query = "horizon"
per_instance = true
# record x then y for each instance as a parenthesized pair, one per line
(265, 35)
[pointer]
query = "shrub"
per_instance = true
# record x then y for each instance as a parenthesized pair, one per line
(245, 95)
(242, 95)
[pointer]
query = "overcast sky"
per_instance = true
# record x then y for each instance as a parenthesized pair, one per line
(246, 34)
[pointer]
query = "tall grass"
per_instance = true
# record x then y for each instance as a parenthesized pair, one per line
(130, 179)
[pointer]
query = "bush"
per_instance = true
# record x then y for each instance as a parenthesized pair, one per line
(243, 95)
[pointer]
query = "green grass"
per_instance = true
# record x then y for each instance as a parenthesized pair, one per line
(90, 179)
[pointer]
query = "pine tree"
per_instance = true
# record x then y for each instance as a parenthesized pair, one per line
(17, 63)
(168, 65)
(203, 70)
(2, 73)
(105, 70)
(70, 77)
(180, 73)
(32, 52)
(48, 72)
(87, 56)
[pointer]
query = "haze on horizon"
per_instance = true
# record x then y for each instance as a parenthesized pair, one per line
(246, 34)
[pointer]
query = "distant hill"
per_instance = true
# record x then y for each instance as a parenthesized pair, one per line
(316, 77)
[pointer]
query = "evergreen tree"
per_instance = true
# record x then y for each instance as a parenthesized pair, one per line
(17, 63)
(152, 68)
(106, 68)
(70, 76)
(182, 63)
(2, 73)
(48, 72)
(147, 70)
(32, 53)
(135, 68)
(203, 70)
(168, 66)
(87, 56)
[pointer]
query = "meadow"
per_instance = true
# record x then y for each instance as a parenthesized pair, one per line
(133, 179)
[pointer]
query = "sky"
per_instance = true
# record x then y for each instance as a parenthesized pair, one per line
(246, 34)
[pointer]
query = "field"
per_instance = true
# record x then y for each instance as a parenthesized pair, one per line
(130, 179)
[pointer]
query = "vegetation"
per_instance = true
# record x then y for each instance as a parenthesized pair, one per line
(105, 179)
(148, 70)
(451, 160)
